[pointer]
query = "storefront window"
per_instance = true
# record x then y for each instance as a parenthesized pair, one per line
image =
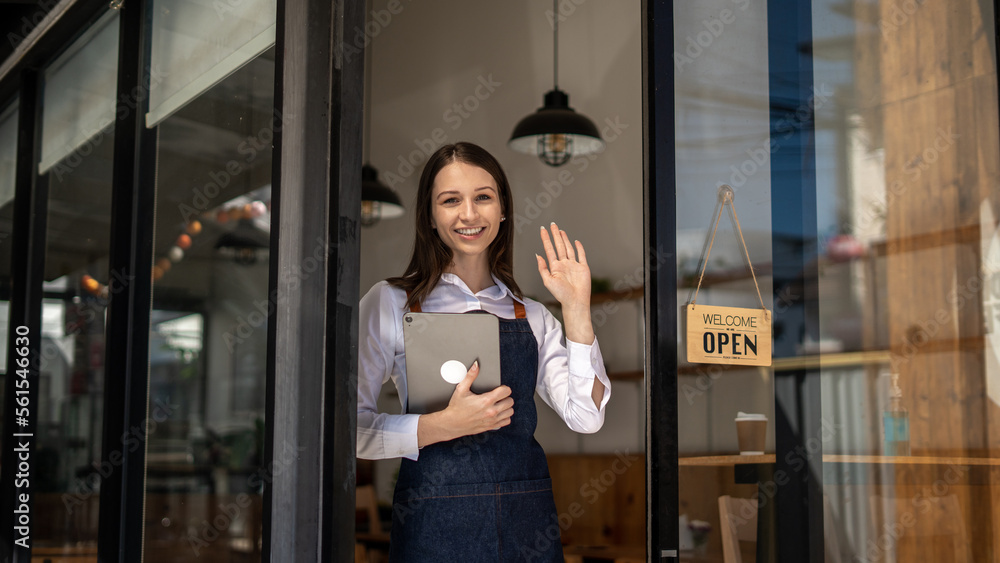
(213, 114)
(892, 261)
(907, 159)
(8, 160)
(77, 142)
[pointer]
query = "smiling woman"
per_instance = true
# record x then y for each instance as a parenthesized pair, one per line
(447, 499)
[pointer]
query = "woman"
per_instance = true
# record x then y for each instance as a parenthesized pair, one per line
(474, 484)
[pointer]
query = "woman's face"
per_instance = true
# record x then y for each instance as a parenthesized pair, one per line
(465, 208)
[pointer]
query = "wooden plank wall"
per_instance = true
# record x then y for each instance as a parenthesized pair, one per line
(927, 88)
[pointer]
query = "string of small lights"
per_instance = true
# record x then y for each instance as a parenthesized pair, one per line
(184, 240)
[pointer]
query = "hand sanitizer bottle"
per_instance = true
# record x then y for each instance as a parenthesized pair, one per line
(896, 422)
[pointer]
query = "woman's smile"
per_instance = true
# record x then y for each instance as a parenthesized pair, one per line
(471, 234)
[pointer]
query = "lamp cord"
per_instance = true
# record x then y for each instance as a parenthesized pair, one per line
(555, 45)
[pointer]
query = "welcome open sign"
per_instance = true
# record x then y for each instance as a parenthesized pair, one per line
(728, 335)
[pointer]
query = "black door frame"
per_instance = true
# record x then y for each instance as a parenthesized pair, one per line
(309, 512)
(660, 239)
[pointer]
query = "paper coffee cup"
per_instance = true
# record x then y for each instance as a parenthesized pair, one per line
(751, 433)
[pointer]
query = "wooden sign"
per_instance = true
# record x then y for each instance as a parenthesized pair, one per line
(728, 335)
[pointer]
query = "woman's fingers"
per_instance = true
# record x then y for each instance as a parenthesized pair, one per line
(557, 246)
(506, 411)
(499, 412)
(580, 253)
(543, 268)
(499, 394)
(570, 253)
(550, 253)
(465, 385)
(557, 241)
(475, 413)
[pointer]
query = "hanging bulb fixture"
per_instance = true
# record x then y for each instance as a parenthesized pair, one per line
(378, 201)
(555, 132)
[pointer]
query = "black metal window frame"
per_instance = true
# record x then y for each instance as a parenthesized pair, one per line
(312, 367)
(24, 79)
(660, 235)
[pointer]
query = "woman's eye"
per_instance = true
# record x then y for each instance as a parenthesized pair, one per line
(451, 200)
(484, 197)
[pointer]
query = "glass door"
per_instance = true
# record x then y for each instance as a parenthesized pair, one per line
(212, 107)
(722, 137)
(860, 141)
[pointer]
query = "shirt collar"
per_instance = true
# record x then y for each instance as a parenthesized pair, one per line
(495, 293)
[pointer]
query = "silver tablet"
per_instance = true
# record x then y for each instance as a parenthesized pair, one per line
(431, 339)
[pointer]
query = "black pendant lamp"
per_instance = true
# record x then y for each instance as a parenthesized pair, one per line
(378, 201)
(555, 132)
(243, 243)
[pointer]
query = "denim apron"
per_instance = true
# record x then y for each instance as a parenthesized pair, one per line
(486, 497)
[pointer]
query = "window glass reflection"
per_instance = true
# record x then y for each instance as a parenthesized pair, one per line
(907, 155)
(76, 168)
(209, 322)
(8, 161)
(900, 318)
(723, 135)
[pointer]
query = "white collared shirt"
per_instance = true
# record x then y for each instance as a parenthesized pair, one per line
(565, 374)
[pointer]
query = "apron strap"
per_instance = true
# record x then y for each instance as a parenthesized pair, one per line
(519, 312)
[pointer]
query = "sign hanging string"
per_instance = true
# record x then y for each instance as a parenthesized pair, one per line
(726, 195)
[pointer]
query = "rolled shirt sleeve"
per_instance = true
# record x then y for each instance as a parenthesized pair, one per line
(566, 375)
(381, 435)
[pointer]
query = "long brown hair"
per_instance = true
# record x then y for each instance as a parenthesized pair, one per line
(430, 255)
